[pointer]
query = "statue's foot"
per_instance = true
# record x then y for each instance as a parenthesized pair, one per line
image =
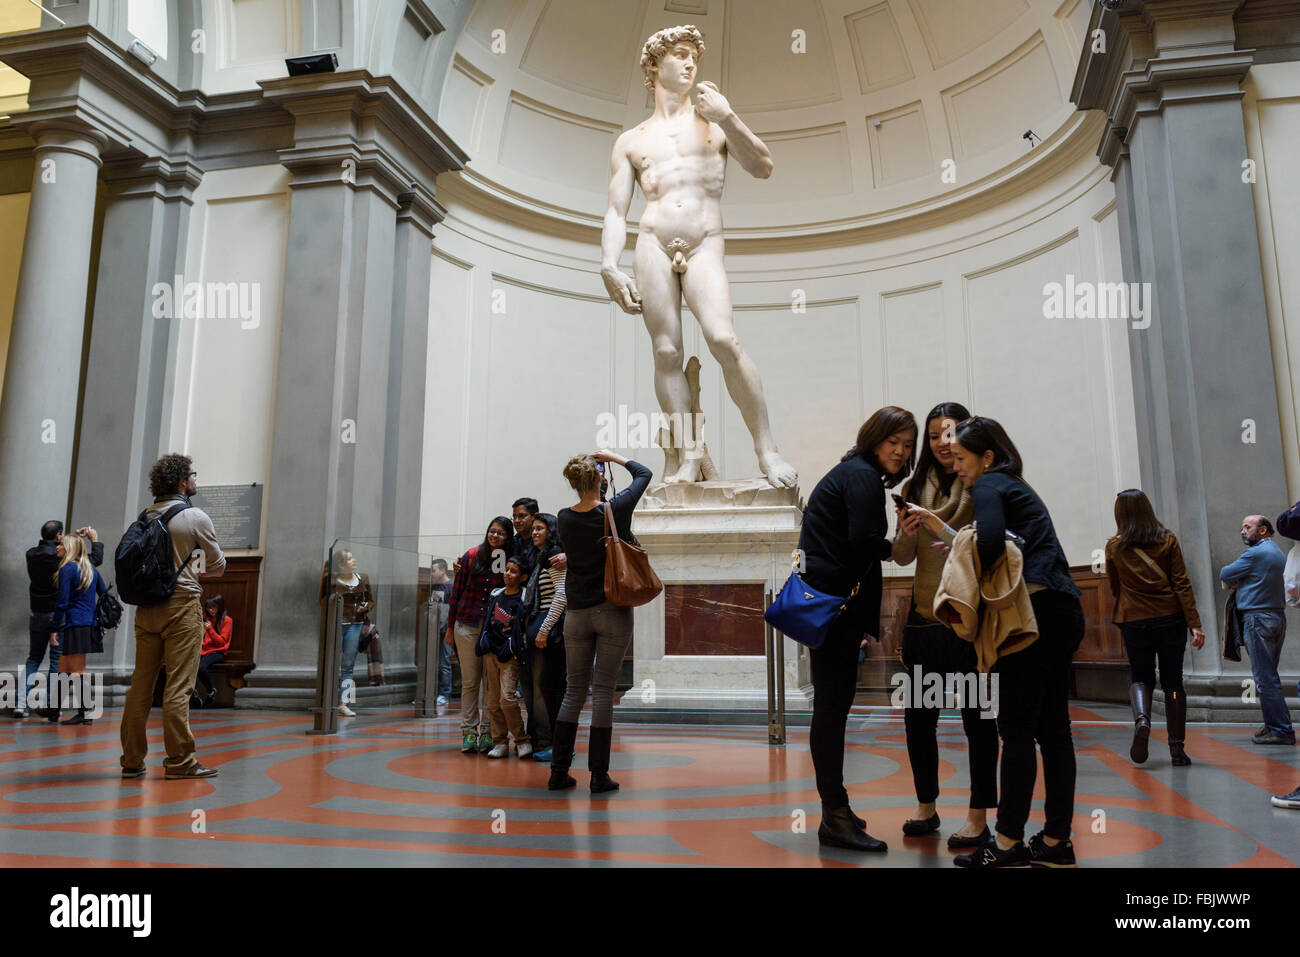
(689, 471)
(778, 471)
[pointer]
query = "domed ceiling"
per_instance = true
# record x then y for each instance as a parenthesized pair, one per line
(872, 108)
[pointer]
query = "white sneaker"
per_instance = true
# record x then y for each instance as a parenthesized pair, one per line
(442, 701)
(346, 711)
(525, 749)
(498, 751)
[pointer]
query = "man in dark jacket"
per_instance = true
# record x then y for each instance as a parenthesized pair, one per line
(42, 563)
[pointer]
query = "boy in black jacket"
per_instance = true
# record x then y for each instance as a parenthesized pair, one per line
(501, 639)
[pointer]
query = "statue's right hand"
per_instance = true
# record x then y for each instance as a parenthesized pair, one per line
(622, 290)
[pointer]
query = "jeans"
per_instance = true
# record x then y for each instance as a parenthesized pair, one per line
(205, 662)
(1034, 705)
(1264, 632)
(169, 633)
(835, 683)
(39, 633)
(1151, 638)
(937, 650)
(596, 640)
(351, 644)
(444, 668)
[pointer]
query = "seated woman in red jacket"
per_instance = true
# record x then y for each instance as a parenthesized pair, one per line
(217, 629)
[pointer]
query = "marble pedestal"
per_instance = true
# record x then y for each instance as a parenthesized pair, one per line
(718, 532)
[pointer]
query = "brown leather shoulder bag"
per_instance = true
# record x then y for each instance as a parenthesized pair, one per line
(629, 579)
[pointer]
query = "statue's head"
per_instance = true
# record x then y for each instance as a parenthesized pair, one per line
(663, 42)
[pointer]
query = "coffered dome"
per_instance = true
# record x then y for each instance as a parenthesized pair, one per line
(865, 104)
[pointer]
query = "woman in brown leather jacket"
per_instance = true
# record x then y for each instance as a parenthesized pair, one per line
(1154, 607)
(358, 600)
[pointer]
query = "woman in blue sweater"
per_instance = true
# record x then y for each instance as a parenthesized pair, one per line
(74, 630)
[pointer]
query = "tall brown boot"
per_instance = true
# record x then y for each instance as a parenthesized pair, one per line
(1139, 696)
(1176, 722)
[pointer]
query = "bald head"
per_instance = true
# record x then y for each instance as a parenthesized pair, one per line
(1255, 528)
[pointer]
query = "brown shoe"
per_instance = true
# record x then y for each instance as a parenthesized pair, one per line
(195, 770)
(133, 772)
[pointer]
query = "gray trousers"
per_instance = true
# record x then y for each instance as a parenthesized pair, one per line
(596, 641)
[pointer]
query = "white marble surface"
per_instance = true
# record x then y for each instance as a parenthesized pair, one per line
(711, 544)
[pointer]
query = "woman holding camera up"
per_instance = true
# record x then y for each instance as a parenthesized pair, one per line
(596, 631)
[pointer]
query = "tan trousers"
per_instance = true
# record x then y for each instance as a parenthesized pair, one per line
(503, 709)
(471, 678)
(168, 634)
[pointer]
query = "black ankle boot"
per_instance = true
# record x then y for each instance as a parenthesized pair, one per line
(598, 761)
(838, 830)
(562, 741)
(1176, 723)
(1139, 696)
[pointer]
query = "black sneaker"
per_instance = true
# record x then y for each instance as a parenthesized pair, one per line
(1291, 800)
(992, 855)
(1042, 854)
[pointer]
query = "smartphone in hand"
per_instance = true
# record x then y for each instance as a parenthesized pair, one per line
(898, 501)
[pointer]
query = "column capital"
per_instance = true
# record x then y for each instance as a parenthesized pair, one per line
(68, 135)
(167, 178)
(361, 130)
(1157, 53)
(420, 209)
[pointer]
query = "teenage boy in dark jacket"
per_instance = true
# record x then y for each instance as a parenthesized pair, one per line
(42, 562)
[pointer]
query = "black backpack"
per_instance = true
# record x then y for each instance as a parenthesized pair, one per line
(108, 610)
(145, 570)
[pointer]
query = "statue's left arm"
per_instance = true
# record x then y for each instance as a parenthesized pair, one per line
(751, 152)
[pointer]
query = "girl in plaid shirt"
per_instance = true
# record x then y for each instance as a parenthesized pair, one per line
(479, 573)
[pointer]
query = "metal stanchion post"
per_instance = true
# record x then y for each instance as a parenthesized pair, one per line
(771, 684)
(779, 641)
(775, 680)
(327, 669)
(426, 656)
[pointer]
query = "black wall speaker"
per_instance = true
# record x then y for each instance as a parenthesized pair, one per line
(316, 63)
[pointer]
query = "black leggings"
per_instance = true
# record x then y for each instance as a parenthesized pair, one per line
(203, 679)
(835, 683)
(1150, 638)
(1034, 705)
(937, 650)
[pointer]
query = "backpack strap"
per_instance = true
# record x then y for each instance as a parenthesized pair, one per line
(166, 518)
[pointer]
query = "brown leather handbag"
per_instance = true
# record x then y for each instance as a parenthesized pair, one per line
(629, 579)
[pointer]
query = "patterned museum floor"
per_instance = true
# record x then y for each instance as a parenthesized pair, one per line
(393, 791)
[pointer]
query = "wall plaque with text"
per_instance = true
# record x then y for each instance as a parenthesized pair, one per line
(236, 513)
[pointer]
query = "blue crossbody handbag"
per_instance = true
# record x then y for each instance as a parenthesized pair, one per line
(803, 613)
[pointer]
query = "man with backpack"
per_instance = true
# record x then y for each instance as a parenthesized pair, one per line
(158, 564)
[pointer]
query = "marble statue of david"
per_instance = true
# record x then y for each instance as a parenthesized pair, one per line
(679, 158)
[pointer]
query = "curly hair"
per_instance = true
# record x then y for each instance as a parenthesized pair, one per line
(168, 472)
(663, 41)
(581, 473)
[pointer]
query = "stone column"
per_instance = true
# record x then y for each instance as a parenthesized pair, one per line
(146, 223)
(1205, 394)
(349, 408)
(331, 405)
(38, 410)
(403, 476)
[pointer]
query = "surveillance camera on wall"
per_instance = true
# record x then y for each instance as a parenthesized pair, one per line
(141, 51)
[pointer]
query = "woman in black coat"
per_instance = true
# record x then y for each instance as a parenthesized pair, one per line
(843, 541)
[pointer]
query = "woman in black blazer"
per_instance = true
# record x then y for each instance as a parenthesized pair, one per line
(843, 541)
